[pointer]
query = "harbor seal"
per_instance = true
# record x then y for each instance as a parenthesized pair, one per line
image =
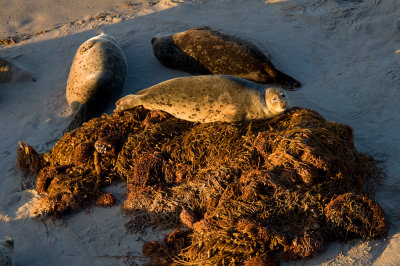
(7, 252)
(209, 98)
(206, 51)
(97, 75)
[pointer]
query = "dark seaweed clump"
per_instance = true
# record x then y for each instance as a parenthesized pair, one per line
(243, 193)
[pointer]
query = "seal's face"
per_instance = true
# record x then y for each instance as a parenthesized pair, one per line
(276, 100)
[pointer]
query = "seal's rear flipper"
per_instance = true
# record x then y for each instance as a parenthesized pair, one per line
(10, 72)
(287, 82)
(127, 102)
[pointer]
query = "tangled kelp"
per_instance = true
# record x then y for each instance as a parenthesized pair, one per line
(247, 192)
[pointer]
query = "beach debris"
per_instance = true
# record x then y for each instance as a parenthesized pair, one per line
(236, 193)
(14, 39)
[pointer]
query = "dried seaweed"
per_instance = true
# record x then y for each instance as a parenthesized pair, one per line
(355, 215)
(247, 192)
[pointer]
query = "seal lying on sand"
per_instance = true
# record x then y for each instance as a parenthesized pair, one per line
(10, 72)
(97, 75)
(206, 51)
(209, 98)
(7, 252)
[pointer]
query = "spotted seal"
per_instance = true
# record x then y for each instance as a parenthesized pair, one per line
(207, 51)
(209, 98)
(97, 75)
(7, 252)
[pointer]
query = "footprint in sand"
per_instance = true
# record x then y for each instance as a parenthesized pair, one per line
(7, 251)
(393, 76)
(396, 29)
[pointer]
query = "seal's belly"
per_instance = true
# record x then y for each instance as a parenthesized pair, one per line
(199, 112)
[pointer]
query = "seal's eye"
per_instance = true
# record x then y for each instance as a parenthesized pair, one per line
(283, 95)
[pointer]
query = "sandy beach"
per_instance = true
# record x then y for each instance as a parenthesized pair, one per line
(345, 53)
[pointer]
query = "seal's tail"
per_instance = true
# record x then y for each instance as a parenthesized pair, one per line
(287, 82)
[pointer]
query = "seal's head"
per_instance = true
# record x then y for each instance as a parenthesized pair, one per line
(276, 101)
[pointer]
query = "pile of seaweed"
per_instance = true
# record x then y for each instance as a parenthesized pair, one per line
(238, 193)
